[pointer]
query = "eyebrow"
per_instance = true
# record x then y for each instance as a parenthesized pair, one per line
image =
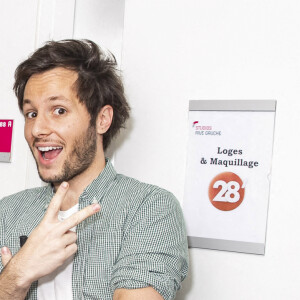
(59, 97)
(52, 98)
(26, 101)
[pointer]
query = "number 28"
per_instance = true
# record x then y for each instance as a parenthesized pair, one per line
(227, 190)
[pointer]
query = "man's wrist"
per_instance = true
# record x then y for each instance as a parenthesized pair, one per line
(18, 277)
(13, 286)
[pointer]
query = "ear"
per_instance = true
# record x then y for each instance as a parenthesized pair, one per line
(104, 119)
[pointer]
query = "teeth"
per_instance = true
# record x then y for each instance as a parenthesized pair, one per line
(45, 149)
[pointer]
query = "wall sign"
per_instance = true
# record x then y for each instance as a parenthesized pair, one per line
(228, 174)
(6, 129)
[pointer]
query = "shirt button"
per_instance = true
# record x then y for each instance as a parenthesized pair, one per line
(94, 201)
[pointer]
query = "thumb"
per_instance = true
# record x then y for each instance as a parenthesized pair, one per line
(5, 256)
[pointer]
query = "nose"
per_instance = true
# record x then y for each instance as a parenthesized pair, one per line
(41, 126)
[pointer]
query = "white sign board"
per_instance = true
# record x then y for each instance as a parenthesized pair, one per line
(228, 174)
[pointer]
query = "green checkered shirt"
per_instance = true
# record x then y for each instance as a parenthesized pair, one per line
(137, 240)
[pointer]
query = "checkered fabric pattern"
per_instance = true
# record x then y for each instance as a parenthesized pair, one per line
(138, 238)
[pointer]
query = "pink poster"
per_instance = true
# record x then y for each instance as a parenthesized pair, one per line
(6, 129)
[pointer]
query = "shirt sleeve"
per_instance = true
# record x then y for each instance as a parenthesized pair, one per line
(154, 250)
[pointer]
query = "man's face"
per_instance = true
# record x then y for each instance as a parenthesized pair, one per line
(57, 126)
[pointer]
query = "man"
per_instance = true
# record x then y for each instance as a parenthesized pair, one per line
(92, 233)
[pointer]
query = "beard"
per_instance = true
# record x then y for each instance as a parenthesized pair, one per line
(80, 158)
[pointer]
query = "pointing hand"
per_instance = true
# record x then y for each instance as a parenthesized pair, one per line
(50, 244)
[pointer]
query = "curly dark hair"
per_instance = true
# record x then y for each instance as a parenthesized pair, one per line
(98, 84)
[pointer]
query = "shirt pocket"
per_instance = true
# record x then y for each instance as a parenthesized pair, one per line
(13, 243)
(103, 254)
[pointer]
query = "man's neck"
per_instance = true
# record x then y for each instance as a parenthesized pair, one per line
(81, 181)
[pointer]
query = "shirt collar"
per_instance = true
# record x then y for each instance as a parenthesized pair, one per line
(98, 188)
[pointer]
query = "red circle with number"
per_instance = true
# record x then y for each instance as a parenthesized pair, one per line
(226, 191)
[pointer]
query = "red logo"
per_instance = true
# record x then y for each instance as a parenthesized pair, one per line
(226, 191)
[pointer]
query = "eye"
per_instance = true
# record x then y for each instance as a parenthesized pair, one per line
(31, 115)
(59, 111)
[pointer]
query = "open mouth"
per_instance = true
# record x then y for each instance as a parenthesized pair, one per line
(49, 153)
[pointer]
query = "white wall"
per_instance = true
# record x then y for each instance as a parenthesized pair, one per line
(177, 50)
(174, 51)
(101, 21)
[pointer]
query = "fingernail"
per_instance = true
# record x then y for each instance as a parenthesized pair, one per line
(64, 184)
(4, 250)
(96, 207)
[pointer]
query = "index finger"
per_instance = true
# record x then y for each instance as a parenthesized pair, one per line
(79, 216)
(55, 203)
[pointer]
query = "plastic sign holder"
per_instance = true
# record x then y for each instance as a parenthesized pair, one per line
(228, 174)
(6, 130)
